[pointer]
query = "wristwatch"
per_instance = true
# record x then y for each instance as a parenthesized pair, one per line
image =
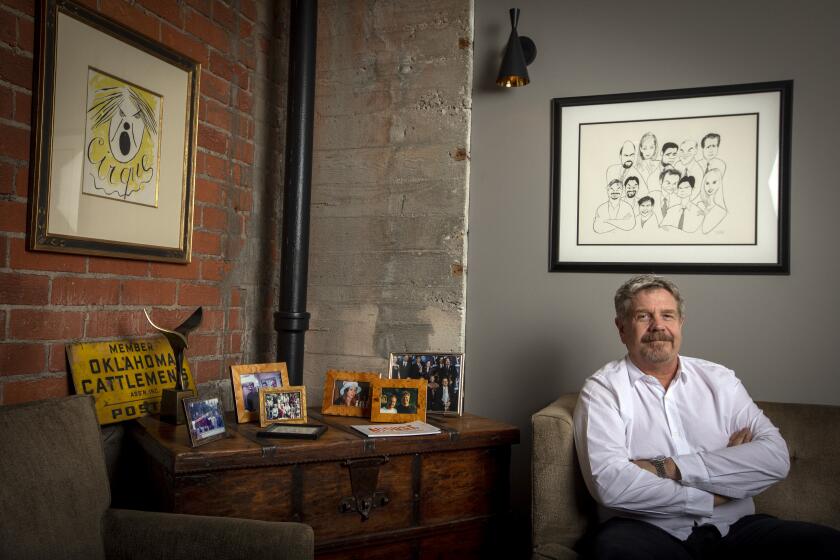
(659, 465)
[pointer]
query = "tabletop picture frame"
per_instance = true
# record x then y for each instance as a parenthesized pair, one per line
(617, 205)
(348, 393)
(205, 419)
(115, 137)
(434, 367)
(248, 379)
(398, 400)
(285, 405)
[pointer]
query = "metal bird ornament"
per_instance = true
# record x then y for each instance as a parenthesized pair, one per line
(177, 339)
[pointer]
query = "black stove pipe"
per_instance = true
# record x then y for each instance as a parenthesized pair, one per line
(292, 320)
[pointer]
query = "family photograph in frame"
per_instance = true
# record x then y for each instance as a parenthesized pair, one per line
(398, 400)
(205, 419)
(248, 379)
(444, 376)
(283, 405)
(693, 180)
(115, 136)
(348, 393)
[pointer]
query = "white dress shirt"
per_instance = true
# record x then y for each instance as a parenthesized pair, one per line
(624, 415)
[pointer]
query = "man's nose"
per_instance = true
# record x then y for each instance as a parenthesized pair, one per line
(656, 323)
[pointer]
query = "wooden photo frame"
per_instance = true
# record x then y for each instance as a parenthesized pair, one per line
(675, 181)
(348, 393)
(398, 400)
(444, 373)
(285, 405)
(205, 419)
(115, 136)
(248, 379)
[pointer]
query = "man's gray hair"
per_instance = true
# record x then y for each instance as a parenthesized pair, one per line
(625, 294)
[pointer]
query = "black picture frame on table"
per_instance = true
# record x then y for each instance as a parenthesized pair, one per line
(596, 130)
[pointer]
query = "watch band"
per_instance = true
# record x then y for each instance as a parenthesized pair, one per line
(659, 465)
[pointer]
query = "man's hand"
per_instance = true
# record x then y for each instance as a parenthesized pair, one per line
(720, 500)
(744, 435)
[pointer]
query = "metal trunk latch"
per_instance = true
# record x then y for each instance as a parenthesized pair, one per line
(364, 474)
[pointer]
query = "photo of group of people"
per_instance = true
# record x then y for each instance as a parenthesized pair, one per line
(443, 374)
(205, 419)
(282, 405)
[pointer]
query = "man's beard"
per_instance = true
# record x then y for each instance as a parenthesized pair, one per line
(660, 352)
(627, 164)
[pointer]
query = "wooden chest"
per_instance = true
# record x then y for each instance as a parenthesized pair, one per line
(439, 496)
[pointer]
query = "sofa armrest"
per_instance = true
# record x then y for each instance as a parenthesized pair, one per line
(142, 534)
(561, 507)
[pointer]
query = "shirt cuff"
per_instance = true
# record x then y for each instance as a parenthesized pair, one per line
(698, 502)
(692, 468)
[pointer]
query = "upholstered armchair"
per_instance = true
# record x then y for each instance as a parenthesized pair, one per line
(562, 509)
(55, 500)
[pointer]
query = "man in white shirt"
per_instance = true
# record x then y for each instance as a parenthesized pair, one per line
(673, 448)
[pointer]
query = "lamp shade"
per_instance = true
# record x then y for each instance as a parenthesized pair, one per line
(519, 53)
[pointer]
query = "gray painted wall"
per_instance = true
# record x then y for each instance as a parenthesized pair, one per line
(532, 335)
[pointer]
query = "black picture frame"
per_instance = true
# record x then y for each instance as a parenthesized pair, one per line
(586, 153)
(293, 431)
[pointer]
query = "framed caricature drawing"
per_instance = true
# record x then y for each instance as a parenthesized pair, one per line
(115, 140)
(693, 180)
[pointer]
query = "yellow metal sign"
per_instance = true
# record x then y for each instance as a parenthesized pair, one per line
(125, 377)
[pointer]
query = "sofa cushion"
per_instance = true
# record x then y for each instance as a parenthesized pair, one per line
(811, 491)
(53, 484)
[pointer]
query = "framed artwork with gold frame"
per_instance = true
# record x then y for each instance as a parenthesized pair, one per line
(348, 393)
(115, 136)
(283, 406)
(248, 379)
(398, 400)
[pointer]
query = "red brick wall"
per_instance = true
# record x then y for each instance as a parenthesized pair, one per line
(50, 299)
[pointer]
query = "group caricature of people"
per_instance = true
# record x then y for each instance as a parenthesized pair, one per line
(441, 372)
(664, 187)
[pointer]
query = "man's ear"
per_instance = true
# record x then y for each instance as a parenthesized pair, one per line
(619, 324)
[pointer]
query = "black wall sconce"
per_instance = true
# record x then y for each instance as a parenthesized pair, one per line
(519, 53)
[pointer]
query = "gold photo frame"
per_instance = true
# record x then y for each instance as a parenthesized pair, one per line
(283, 406)
(348, 393)
(116, 121)
(398, 400)
(248, 379)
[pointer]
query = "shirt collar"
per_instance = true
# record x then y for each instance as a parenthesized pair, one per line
(636, 374)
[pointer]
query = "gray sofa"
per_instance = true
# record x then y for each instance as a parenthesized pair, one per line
(562, 509)
(55, 500)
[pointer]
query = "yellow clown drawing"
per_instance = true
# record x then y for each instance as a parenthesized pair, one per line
(122, 140)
